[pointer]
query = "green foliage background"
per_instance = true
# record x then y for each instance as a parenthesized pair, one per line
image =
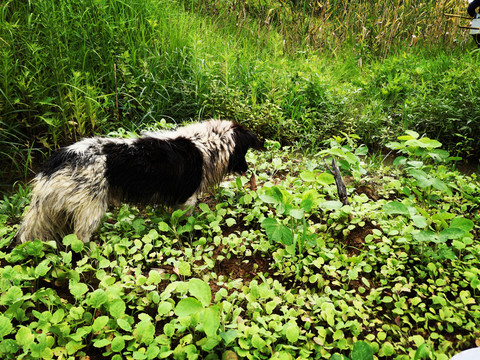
(392, 275)
(296, 72)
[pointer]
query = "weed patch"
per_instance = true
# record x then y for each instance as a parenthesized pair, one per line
(282, 270)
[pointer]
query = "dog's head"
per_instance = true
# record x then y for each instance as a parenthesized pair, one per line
(244, 139)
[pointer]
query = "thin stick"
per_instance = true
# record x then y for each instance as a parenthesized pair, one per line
(458, 16)
(341, 189)
(116, 92)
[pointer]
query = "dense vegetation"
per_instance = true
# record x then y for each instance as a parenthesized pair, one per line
(272, 268)
(296, 72)
(271, 265)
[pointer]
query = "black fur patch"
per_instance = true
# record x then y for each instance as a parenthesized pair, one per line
(59, 160)
(154, 170)
(244, 139)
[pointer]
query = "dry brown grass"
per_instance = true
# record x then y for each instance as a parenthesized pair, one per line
(379, 26)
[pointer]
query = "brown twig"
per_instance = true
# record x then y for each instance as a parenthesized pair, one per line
(342, 190)
(116, 92)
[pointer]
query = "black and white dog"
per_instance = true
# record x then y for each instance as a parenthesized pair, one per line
(79, 182)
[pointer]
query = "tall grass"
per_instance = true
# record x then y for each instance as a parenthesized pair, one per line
(369, 27)
(295, 71)
(71, 68)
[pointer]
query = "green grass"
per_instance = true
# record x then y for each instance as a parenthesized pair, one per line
(74, 69)
(280, 270)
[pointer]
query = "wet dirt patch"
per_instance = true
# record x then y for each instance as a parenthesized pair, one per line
(355, 240)
(245, 268)
(368, 190)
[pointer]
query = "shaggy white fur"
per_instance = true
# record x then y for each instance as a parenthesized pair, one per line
(79, 182)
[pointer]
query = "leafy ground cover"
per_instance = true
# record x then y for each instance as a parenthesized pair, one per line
(268, 266)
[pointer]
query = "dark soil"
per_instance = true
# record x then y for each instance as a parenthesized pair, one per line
(355, 241)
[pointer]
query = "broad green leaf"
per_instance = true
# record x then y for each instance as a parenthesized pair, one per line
(325, 179)
(337, 152)
(277, 232)
(77, 246)
(328, 313)
(388, 349)
(440, 185)
(42, 268)
(417, 165)
(164, 308)
(210, 319)
(118, 344)
(77, 289)
(272, 195)
(228, 336)
(97, 298)
(100, 323)
(462, 223)
(230, 222)
(152, 351)
(184, 268)
(154, 277)
(430, 143)
(124, 324)
(163, 226)
(188, 306)
(395, 207)
(73, 346)
(209, 344)
(258, 342)
(424, 182)
(74, 242)
(201, 290)
(292, 332)
(425, 236)
(137, 355)
(231, 355)
(423, 352)
(331, 205)
(308, 176)
(58, 316)
(417, 173)
(362, 351)
(40, 349)
(439, 155)
(144, 331)
(339, 357)
(204, 207)
(419, 221)
(362, 150)
(296, 213)
(12, 295)
(451, 234)
(34, 248)
(400, 161)
(101, 343)
(117, 308)
(24, 337)
(410, 135)
(5, 326)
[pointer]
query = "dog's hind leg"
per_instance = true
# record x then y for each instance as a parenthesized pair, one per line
(37, 224)
(189, 205)
(87, 218)
(39, 221)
